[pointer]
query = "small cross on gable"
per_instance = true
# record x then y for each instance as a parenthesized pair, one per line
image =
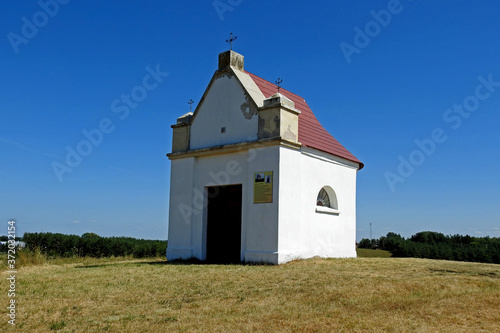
(190, 105)
(231, 39)
(278, 84)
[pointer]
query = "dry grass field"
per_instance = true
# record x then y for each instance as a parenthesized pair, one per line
(317, 295)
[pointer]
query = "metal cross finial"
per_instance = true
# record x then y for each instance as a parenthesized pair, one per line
(190, 105)
(278, 84)
(231, 39)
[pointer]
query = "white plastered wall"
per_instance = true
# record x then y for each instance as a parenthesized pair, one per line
(303, 232)
(188, 202)
(224, 105)
(181, 209)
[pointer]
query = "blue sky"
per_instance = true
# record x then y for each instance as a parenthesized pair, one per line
(379, 75)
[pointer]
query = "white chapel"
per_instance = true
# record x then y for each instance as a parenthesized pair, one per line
(256, 178)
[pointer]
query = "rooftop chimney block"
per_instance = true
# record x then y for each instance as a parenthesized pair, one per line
(230, 58)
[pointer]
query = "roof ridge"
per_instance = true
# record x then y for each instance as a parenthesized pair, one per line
(310, 129)
(270, 83)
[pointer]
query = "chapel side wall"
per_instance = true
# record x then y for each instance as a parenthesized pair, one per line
(181, 207)
(317, 234)
(329, 235)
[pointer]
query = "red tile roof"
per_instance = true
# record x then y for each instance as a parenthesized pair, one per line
(311, 132)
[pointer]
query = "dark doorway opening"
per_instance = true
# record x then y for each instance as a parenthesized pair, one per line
(224, 224)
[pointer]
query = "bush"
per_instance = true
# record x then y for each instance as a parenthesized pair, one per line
(434, 245)
(93, 245)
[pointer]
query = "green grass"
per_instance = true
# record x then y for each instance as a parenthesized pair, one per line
(57, 325)
(369, 253)
(317, 295)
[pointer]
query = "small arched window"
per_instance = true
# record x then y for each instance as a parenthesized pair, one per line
(326, 201)
(323, 199)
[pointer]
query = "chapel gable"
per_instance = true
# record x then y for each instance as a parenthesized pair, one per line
(226, 114)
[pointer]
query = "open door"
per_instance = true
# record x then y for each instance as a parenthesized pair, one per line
(224, 224)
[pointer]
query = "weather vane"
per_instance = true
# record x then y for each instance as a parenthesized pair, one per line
(231, 39)
(190, 105)
(278, 84)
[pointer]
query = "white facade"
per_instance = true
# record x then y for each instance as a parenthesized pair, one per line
(216, 112)
(227, 140)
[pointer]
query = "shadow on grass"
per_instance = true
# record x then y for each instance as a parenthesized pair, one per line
(494, 275)
(96, 266)
(121, 263)
(194, 261)
(190, 262)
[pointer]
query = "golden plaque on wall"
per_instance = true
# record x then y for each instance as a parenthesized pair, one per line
(263, 187)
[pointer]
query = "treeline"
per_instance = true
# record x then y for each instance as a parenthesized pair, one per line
(5, 238)
(93, 245)
(434, 245)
